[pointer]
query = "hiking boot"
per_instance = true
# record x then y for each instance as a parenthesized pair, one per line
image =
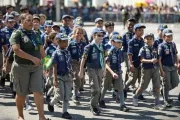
(95, 111)
(66, 115)
(141, 97)
(50, 107)
(124, 108)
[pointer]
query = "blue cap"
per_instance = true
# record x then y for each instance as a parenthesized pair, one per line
(61, 36)
(10, 18)
(98, 30)
(115, 33)
(162, 27)
(167, 32)
(149, 34)
(117, 38)
(98, 19)
(14, 13)
(48, 23)
(78, 23)
(138, 25)
(66, 16)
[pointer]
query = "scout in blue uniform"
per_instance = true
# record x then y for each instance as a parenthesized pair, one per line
(76, 48)
(48, 28)
(61, 60)
(49, 51)
(150, 70)
(36, 25)
(16, 17)
(56, 28)
(98, 24)
(134, 47)
(65, 25)
(6, 34)
(93, 55)
(127, 36)
(109, 26)
(114, 73)
(159, 39)
(42, 21)
(168, 62)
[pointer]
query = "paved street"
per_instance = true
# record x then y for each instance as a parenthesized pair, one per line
(81, 112)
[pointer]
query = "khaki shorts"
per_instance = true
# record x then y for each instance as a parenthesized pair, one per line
(147, 75)
(109, 80)
(27, 78)
(64, 87)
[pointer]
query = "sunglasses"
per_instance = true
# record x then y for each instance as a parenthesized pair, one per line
(100, 35)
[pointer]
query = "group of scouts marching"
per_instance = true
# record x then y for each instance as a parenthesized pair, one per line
(73, 54)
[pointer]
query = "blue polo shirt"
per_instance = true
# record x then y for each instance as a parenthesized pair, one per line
(168, 52)
(76, 49)
(6, 34)
(126, 38)
(148, 52)
(157, 41)
(115, 57)
(134, 47)
(50, 49)
(43, 37)
(2, 42)
(63, 60)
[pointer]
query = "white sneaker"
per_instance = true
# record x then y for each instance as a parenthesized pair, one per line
(29, 107)
(159, 107)
(135, 102)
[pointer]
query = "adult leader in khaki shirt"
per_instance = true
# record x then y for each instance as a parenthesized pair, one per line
(27, 69)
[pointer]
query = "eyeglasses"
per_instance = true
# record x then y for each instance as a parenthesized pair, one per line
(100, 35)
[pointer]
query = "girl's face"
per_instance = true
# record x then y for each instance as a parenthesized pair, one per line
(79, 34)
(116, 44)
(54, 41)
(63, 44)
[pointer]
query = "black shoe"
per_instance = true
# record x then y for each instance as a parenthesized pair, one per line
(8, 77)
(170, 101)
(125, 94)
(124, 108)
(48, 98)
(162, 92)
(102, 104)
(167, 105)
(141, 97)
(179, 97)
(76, 100)
(117, 100)
(50, 108)
(80, 90)
(66, 115)
(113, 95)
(13, 94)
(2, 82)
(95, 111)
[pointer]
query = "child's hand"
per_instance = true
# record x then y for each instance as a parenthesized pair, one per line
(162, 73)
(154, 61)
(115, 76)
(132, 68)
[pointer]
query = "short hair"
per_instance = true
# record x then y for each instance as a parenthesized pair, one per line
(9, 6)
(23, 16)
(109, 23)
(42, 15)
(23, 8)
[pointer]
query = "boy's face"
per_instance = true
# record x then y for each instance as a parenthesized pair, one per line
(56, 29)
(66, 21)
(139, 32)
(63, 44)
(10, 24)
(42, 20)
(160, 33)
(117, 44)
(110, 29)
(36, 24)
(48, 29)
(149, 40)
(168, 38)
(99, 24)
(130, 26)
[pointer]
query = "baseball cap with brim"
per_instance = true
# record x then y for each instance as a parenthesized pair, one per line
(78, 23)
(66, 16)
(167, 32)
(149, 35)
(36, 17)
(138, 26)
(98, 30)
(98, 19)
(61, 36)
(14, 13)
(10, 18)
(117, 38)
(162, 27)
(48, 23)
